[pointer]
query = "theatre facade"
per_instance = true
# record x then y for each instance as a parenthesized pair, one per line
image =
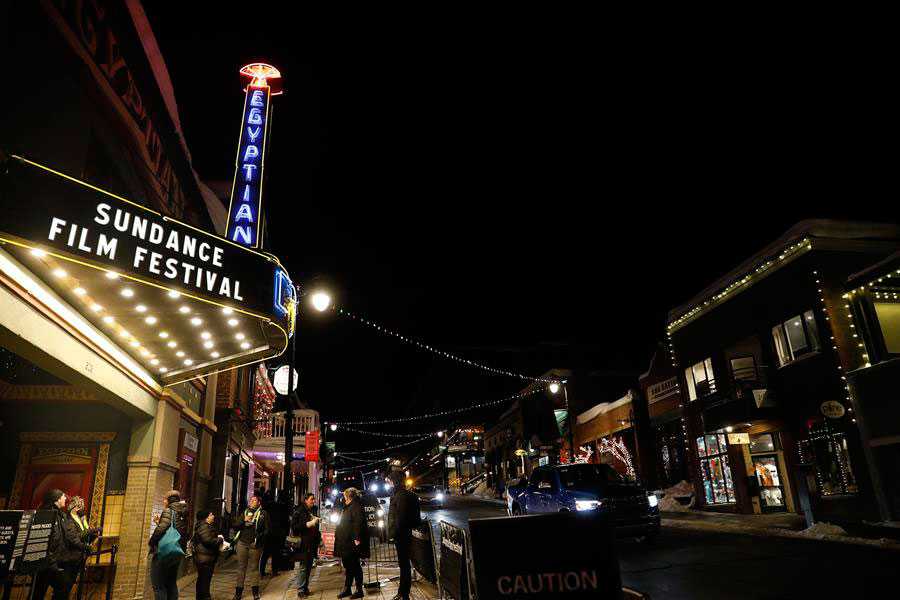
(120, 305)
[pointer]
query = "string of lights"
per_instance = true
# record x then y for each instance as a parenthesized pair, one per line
(436, 351)
(358, 467)
(443, 413)
(387, 448)
(340, 456)
(383, 433)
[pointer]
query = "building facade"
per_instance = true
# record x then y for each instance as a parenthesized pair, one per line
(762, 358)
(110, 369)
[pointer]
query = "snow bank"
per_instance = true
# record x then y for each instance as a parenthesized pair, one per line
(669, 497)
(823, 530)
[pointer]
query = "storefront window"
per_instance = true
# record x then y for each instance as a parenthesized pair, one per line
(718, 485)
(826, 450)
(795, 337)
(700, 380)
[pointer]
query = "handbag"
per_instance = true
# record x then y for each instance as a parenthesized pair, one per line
(169, 549)
(293, 548)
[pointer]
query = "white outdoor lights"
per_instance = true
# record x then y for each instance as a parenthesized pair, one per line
(554, 387)
(321, 301)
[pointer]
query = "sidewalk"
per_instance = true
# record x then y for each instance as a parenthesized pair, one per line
(775, 525)
(326, 581)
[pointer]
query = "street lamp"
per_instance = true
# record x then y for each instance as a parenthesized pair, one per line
(321, 301)
(554, 387)
(334, 426)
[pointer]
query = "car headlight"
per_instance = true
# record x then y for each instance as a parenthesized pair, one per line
(373, 488)
(587, 504)
(652, 500)
(439, 497)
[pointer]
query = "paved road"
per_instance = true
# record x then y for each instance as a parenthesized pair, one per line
(694, 565)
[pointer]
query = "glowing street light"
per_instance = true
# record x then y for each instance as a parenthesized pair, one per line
(334, 426)
(321, 301)
(554, 387)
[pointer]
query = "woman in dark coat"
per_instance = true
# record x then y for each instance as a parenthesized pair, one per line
(207, 544)
(351, 542)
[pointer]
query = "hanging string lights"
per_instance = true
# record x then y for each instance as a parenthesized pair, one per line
(387, 448)
(443, 413)
(383, 433)
(436, 351)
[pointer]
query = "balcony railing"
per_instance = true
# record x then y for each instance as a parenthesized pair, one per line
(275, 426)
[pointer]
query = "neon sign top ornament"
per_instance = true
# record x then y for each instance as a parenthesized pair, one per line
(263, 75)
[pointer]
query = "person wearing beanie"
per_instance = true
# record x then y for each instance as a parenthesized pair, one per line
(64, 551)
(164, 576)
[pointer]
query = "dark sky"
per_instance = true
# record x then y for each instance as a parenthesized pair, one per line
(531, 193)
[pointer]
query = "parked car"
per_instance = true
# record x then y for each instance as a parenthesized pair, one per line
(430, 494)
(581, 487)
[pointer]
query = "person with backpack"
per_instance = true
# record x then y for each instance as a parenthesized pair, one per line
(253, 530)
(167, 546)
(207, 544)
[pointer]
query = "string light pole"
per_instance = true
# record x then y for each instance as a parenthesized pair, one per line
(320, 301)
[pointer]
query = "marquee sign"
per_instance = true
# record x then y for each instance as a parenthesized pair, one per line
(245, 209)
(77, 232)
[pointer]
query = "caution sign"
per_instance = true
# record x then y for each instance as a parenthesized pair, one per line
(507, 566)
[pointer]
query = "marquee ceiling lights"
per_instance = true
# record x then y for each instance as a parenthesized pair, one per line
(182, 302)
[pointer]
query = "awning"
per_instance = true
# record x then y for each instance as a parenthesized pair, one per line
(173, 300)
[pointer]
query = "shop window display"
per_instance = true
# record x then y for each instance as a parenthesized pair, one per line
(718, 487)
(826, 450)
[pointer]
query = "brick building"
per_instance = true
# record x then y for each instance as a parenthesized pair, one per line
(110, 368)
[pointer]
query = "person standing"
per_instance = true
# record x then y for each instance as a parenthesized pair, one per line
(253, 527)
(403, 517)
(207, 545)
(164, 575)
(351, 542)
(305, 525)
(279, 520)
(77, 528)
(64, 551)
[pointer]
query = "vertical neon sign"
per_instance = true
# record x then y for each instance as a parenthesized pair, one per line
(245, 209)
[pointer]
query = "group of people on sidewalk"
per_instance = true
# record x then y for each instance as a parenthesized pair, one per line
(257, 538)
(71, 539)
(351, 540)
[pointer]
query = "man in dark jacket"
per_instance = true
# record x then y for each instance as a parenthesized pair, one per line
(164, 575)
(253, 528)
(403, 517)
(279, 515)
(305, 525)
(207, 544)
(64, 551)
(351, 542)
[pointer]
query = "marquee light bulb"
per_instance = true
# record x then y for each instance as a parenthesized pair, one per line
(196, 321)
(172, 344)
(232, 322)
(206, 335)
(150, 320)
(239, 336)
(59, 273)
(163, 370)
(140, 308)
(180, 353)
(134, 343)
(112, 275)
(96, 307)
(184, 310)
(38, 252)
(173, 294)
(163, 334)
(80, 291)
(227, 311)
(127, 292)
(188, 362)
(154, 362)
(214, 354)
(245, 345)
(208, 344)
(108, 319)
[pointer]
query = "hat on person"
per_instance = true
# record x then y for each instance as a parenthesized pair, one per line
(52, 496)
(76, 503)
(173, 496)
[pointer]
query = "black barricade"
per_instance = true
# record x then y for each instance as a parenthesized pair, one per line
(509, 562)
(381, 566)
(453, 576)
(422, 552)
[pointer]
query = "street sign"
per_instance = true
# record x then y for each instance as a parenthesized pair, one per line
(280, 380)
(312, 446)
(738, 438)
(508, 565)
(832, 409)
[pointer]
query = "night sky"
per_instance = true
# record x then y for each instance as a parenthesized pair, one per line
(530, 194)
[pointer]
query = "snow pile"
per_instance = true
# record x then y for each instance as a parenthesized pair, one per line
(669, 501)
(823, 530)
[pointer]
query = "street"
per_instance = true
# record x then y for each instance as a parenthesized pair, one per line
(692, 565)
